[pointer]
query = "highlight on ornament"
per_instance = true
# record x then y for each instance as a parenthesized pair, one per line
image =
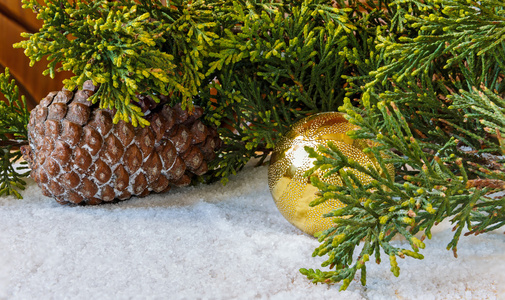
(291, 190)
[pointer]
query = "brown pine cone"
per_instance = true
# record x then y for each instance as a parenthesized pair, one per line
(77, 155)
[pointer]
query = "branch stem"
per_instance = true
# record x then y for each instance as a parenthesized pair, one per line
(16, 143)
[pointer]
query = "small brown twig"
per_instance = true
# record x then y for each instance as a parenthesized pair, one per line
(16, 143)
(483, 183)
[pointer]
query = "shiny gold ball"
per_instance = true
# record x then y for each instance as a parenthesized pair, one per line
(292, 192)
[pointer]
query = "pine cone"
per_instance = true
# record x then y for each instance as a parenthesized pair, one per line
(77, 155)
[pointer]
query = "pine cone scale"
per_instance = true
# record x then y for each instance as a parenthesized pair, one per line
(57, 111)
(78, 113)
(71, 133)
(48, 99)
(113, 150)
(63, 97)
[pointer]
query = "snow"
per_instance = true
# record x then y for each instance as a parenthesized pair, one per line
(211, 242)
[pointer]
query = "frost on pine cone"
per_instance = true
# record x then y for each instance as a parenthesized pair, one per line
(77, 155)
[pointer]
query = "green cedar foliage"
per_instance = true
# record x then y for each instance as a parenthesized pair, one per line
(128, 47)
(435, 107)
(14, 117)
(280, 62)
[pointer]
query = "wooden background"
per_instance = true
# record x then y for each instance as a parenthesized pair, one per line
(13, 21)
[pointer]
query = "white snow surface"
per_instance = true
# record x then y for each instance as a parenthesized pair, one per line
(211, 242)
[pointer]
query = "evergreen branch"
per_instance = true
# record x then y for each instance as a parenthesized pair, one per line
(439, 185)
(457, 31)
(282, 63)
(485, 105)
(440, 189)
(14, 117)
(127, 48)
(15, 143)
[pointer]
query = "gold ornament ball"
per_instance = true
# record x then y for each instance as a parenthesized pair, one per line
(292, 192)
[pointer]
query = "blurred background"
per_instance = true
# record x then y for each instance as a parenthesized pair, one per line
(13, 21)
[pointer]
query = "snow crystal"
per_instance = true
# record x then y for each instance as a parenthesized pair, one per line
(210, 242)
